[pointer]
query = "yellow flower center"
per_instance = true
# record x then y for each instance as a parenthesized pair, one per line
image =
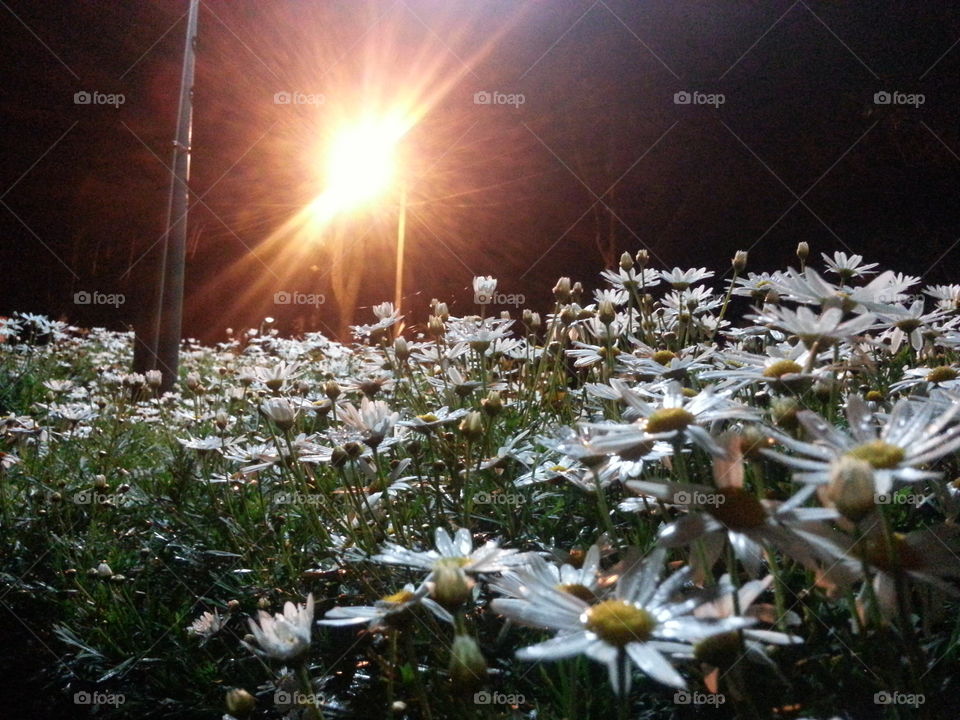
(663, 357)
(451, 563)
(941, 374)
(619, 623)
(739, 510)
(667, 419)
(781, 368)
(578, 591)
(428, 418)
(881, 455)
(399, 598)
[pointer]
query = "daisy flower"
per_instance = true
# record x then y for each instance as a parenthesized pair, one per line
(374, 420)
(947, 296)
(582, 582)
(676, 418)
(848, 267)
(942, 377)
(284, 636)
(908, 324)
(391, 610)
(682, 279)
(453, 564)
(207, 625)
(431, 421)
(914, 434)
(811, 288)
(723, 651)
(821, 330)
(639, 621)
(632, 279)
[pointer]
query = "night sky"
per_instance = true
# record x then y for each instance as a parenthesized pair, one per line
(599, 157)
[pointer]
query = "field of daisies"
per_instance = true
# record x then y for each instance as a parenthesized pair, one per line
(687, 494)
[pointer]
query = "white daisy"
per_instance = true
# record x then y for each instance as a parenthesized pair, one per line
(639, 621)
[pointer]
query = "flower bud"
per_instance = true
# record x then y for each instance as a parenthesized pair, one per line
(626, 262)
(803, 251)
(561, 291)
(332, 389)
(643, 258)
(606, 313)
(240, 703)
(740, 261)
(472, 426)
(851, 487)
(450, 586)
(492, 404)
(436, 327)
(576, 292)
(468, 668)
(783, 411)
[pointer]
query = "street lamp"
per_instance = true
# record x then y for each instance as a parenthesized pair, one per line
(362, 166)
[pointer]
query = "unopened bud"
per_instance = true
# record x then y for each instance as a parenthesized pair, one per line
(401, 349)
(436, 327)
(626, 262)
(492, 404)
(450, 586)
(851, 487)
(240, 703)
(561, 291)
(576, 292)
(472, 426)
(332, 389)
(606, 313)
(468, 668)
(740, 261)
(803, 251)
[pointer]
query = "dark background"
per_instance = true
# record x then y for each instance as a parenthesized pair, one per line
(798, 151)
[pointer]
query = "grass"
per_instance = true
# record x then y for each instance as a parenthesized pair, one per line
(126, 515)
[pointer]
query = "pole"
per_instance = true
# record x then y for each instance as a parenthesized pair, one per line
(169, 310)
(401, 238)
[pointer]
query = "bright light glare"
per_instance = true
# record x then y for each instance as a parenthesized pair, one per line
(361, 163)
